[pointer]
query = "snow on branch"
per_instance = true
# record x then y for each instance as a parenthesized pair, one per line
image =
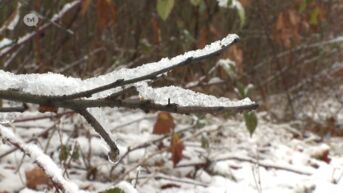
(44, 161)
(184, 98)
(56, 90)
(60, 87)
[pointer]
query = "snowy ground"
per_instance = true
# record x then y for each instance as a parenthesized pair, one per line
(275, 159)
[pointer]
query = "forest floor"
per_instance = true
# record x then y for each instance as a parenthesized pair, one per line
(215, 154)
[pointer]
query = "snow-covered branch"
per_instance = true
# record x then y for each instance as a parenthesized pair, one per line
(115, 89)
(43, 160)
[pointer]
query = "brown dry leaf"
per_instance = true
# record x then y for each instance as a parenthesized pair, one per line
(202, 38)
(169, 185)
(176, 148)
(106, 13)
(156, 29)
(36, 177)
(47, 108)
(245, 3)
(235, 53)
(84, 6)
(287, 28)
(164, 123)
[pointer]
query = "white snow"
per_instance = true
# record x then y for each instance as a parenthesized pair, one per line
(4, 42)
(126, 187)
(15, 20)
(57, 84)
(184, 97)
(272, 143)
(49, 166)
(65, 8)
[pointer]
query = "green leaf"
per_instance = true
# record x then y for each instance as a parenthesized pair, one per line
(76, 153)
(250, 122)
(240, 9)
(64, 153)
(205, 142)
(240, 90)
(164, 8)
(114, 190)
(314, 16)
(304, 5)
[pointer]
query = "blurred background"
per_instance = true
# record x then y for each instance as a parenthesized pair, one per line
(290, 55)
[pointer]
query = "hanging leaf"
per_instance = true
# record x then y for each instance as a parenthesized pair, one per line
(156, 29)
(76, 153)
(315, 16)
(84, 6)
(176, 148)
(202, 37)
(164, 8)
(241, 12)
(195, 2)
(235, 4)
(250, 122)
(164, 123)
(64, 152)
(205, 141)
(106, 13)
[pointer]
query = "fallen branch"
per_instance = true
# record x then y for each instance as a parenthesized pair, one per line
(45, 132)
(44, 161)
(253, 161)
(14, 109)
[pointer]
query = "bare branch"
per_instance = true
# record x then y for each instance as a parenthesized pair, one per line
(45, 132)
(114, 151)
(253, 161)
(14, 109)
(145, 105)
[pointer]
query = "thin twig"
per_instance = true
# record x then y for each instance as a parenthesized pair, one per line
(13, 109)
(58, 115)
(253, 161)
(114, 151)
(28, 141)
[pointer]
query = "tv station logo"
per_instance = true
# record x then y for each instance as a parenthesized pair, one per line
(31, 19)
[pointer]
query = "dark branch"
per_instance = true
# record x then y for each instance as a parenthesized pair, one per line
(114, 151)
(133, 104)
(14, 109)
